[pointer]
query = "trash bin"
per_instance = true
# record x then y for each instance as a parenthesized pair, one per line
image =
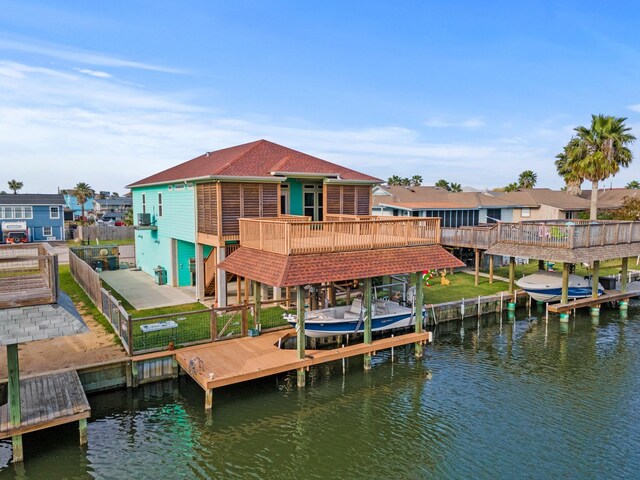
(160, 275)
(98, 265)
(112, 261)
(608, 283)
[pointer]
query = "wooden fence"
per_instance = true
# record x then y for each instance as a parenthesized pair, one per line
(87, 278)
(103, 232)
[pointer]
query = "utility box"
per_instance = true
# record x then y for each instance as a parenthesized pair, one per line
(608, 283)
(144, 219)
(160, 275)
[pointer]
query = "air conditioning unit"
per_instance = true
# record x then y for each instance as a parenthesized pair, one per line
(144, 219)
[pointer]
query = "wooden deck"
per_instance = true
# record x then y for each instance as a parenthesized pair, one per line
(607, 296)
(47, 401)
(243, 359)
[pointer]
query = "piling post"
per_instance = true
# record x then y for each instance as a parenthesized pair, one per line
(477, 267)
(490, 268)
(82, 426)
(300, 318)
(595, 277)
(208, 399)
(512, 274)
(419, 300)
(565, 282)
(624, 274)
(368, 311)
(13, 368)
(257, 295)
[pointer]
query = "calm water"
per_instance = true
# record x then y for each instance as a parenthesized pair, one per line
(495, 400)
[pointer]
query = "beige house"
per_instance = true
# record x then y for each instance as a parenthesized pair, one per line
(543, 204)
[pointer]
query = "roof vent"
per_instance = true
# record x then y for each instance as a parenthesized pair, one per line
(207, 154)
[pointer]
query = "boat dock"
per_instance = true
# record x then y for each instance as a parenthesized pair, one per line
(47, 401)
(607, 297)
(248, 358)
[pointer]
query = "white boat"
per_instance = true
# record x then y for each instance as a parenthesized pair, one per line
(547, 286)
(387, 315)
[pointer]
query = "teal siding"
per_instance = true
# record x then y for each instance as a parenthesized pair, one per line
(154, 248)
(295, 197)
(185, 252)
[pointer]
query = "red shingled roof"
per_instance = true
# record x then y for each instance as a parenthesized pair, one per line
(291, 270)
(255, 159)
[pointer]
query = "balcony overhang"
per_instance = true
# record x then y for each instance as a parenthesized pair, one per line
(569, 255)
(291, 270)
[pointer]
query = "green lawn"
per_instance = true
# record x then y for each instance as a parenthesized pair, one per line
(462, 286)
(85, 306)
(93, 243)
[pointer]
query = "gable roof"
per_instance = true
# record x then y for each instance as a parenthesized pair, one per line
(534, 197)
(612, 198)
(423, 197)
(256, 159)
(31, 199)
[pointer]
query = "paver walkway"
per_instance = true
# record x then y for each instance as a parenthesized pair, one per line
(142, 292)
(485, 275)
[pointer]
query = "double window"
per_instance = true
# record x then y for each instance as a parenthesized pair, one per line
(16, 213)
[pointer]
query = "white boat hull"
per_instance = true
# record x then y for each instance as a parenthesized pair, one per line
(547, 286)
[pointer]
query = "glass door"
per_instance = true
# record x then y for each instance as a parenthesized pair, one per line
(313, 201)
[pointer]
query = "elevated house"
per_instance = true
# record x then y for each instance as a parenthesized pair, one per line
(543, 204)
(455, 209)
(114, 205)
(72, 204)
(34, 217)
(187, 216)
(612, 198)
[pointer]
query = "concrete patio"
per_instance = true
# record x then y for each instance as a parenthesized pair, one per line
(142, 292)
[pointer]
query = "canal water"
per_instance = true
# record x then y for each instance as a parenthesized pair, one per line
(491, 399)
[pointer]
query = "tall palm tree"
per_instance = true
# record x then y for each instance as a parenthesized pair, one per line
(416, 180)
(442, 183)
(512, 187)
(527, 179)
(599, 152)
(82, 191)
(571, 179)
(394, 180)
(15, 185)
(633, 185)
(455, 187)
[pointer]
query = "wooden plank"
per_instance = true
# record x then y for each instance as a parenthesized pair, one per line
(608, 296)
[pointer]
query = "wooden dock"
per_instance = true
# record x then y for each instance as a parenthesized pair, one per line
(606, 297)
(242, 359)
(47, 401)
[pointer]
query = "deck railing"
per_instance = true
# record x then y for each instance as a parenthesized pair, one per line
(469, 237)
(288, 238)
(28, 275)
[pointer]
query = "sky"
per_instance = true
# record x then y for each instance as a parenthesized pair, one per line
(473, 92)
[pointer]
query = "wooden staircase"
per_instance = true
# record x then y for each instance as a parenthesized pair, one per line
(210, 264)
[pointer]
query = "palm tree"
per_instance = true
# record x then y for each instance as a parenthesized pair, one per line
(15, 185)
(394, 180)
(571, 179)
(512, 187)
(455, 187)
(633, 185)
(599, 152)
(527, 179)
(416, 180)
(82, 191)
(442, 183)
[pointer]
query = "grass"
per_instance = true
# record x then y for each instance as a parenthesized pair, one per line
(607, 267)
(462, 286)
(85, 306)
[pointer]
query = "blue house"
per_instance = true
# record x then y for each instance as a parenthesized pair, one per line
(40, 216)
(72, 203)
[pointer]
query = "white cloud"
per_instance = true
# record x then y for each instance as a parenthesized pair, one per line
(468, 123)
(60, 128)
(80, 56)
(93, 73)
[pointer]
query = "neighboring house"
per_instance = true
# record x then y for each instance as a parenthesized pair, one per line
(456, 209)
(187, 216)
(41, 215)
(611, 199)
(543, 204)
(72, 203)
(117, 205)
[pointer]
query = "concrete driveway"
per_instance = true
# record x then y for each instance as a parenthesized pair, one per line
(142, 292)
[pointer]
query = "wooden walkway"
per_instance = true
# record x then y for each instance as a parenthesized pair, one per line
(607, 296)
(243, 359)
(47, 401)
(23, 290)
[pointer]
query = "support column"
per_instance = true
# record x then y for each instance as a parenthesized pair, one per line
(13, 368)
(624, 274)
(477, 269)
(565, 282)
(221, 279)
(238, 289)
(208, 399)
(82, 426)
(418, 308)
(490, 268)
(301, 340)
(199, 272)
(368, 312)
(512, 274)
(595, 277)
(257, 295)
(277, 293)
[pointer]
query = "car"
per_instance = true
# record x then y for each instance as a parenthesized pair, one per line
(16, 237)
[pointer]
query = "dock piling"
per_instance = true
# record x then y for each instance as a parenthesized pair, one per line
(418, 309)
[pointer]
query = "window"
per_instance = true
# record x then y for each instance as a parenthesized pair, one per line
(526, 212)
(6, 212)
(159, 204)
(54, 212)
(47, 231)
(144, 203)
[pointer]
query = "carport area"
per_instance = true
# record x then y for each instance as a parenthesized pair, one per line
(142, 292)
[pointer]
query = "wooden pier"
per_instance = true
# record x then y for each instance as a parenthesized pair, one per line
(606, 297)
(47, 401)
(242, 359)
